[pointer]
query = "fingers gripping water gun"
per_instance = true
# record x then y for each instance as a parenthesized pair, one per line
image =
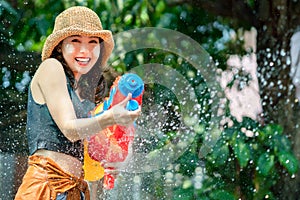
(119, 137)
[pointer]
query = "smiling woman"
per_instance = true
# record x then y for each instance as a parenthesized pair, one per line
(66, 86)
(80, 53)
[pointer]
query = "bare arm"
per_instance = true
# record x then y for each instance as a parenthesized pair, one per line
(50, 84)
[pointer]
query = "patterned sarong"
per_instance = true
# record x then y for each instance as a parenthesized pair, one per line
(44, 180)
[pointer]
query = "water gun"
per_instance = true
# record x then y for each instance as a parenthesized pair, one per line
(119, 137)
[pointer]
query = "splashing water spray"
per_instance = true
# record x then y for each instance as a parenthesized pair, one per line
(186, 94)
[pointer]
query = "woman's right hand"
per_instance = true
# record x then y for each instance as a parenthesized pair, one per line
(121, 116)
(114, 168)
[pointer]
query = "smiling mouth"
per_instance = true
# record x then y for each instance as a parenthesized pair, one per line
(83, 61)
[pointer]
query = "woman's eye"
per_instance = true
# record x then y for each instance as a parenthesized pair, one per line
(94, 41)
(75, 40)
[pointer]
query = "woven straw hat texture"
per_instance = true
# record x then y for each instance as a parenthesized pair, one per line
(78, 20)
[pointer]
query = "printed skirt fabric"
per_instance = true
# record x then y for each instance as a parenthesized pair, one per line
(44, 180)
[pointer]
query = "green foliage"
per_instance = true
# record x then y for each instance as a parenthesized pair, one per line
(245, 163)
(265, 163)
(221, 194)
(8, 17)
(259, 152)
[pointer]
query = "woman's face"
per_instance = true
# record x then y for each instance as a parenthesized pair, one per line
(80, 53)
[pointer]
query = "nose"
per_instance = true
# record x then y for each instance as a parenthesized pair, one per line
(83, 48)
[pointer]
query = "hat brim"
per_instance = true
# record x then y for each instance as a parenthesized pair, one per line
(55, 38)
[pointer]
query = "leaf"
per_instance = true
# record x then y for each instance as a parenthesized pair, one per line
(8, 7)
(249, 123)
(183, 194)
(268, 131)
(242, 152)
(221, 195)
(280, 143)
(160, 7)
(265, 163)
(273, 129)
(289, 161)
(230, 134)
(42, 25)
(220, 153)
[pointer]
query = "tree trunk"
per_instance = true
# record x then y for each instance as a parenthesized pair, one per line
(276, 90)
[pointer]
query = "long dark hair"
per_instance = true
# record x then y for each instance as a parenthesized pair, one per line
(92, 85)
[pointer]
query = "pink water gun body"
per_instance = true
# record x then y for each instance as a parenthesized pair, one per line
(120, 137)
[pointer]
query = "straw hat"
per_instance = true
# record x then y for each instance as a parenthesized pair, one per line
(78, 20)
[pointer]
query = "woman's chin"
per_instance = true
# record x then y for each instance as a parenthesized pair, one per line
(84, 69)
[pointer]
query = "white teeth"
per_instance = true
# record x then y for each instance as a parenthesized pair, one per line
(82, 59)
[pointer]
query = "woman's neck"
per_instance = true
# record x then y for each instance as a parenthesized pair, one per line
(77, 76)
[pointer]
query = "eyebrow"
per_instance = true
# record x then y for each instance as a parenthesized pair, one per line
(81, 36)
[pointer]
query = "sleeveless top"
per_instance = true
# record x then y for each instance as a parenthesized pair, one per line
(42, 131)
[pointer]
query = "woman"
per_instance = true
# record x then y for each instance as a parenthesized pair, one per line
(66, 86)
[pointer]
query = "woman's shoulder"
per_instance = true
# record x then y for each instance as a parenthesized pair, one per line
(50, 67)
(51, 64)
(48, 73)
